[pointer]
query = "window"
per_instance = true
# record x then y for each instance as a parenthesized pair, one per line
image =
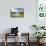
(41, 8)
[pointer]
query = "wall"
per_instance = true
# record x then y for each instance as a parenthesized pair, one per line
(24, 24)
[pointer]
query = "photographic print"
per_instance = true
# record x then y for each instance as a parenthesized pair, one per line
(17, 12)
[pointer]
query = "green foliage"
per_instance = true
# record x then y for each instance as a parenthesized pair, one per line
(40, 27)
(39, 35)
(35, 27)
